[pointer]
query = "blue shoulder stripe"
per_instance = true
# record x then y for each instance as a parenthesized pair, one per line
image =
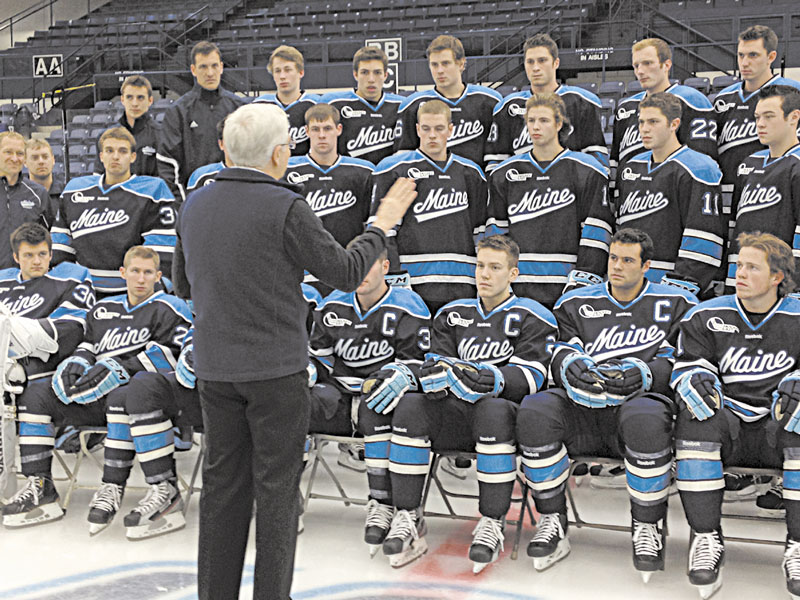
(597, 290)
(468, 163)
(585, 159)
(178, 305)
(311, 294)
(356, 162)
(537, 309)
(694, 98)
(390, 162)
(468, 302)
(71, 271)
(82, 183)
(701, 166)
(298, 161)
(202, 171)
(152, 187)
(481, 89)
(411, 301)
(337, 296)
(416, 96)
(585, 94)
(10, 273)
(523, 95)
(638, 97)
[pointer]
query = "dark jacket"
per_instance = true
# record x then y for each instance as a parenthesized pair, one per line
(246, 239)
(189, 134)
(147, 133)
(23, 202)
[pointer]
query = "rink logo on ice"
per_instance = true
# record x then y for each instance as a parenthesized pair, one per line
(331, 319)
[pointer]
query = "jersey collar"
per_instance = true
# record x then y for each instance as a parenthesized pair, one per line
(499, 308)
(743, 313)
(373, 308)
(642, 292)
(536, 164)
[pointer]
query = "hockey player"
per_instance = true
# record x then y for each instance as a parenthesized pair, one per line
(612, 366)
(509, 134)
(286, 66)
(546, 190)
(338, 188)
(136, 96)
(188, 130)
(652, 61)
(21, 200)
(101, 216)
(125, 334)
(47, 313)
(767, 192)
(736, 365)
(435, 241)
(671, 192)
(368, 113)
(40, 161)
(471, 104)
(487, 354)
(376, 333)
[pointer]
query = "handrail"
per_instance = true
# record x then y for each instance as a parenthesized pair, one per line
(23, 14)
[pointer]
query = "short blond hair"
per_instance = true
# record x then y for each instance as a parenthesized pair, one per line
(117, 133)
(434, 107)
(141, 252)
(36, 143)
(289, 53)
(663, 50)
(11, 135)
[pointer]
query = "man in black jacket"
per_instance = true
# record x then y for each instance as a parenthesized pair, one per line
(136, 95)
(245, 265)
(188, 133)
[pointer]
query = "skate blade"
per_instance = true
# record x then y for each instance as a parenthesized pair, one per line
(646, 575)
(706, 591)
(41, 514)
(414, 551)
(166, 524)
(540, 563)
(95, 528)
(608, 483)
(373, 549)
(477, 567)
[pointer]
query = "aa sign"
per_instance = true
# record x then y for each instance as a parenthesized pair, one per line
(48, 65)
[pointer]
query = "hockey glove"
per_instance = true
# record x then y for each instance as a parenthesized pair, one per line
(433, 375)
(624, 378)
(311, 370)
(582, 381)
(701, 391)
(32, 337)
(472, 381)
(382, 390)
(786, 402)
(103, 378)
(67, 374)
(184, 370)
(578, 279)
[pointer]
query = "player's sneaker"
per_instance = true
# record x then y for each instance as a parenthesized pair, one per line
(607, 477)
(104, 506)
(379, 520)
(550, 542)
(406, 538)
(160, 511)
(706, 557)
(36, 502)
(351, 456)
(791, 567)
(744, 487)
(456, 466)
(487, 543)
(648, 548)
(772, 499)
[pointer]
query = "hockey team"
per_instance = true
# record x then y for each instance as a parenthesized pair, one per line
(545, 298)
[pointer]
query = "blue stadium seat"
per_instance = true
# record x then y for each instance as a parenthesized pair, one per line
(722, 81)
(590, 86)
(703, 84)
(633, 87)
(79, 120)
(611, 89)
(56, 136)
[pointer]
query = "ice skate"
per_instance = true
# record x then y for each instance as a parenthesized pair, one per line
(405, 541)
(104, 506)
(791, 567)
(739, 487)
(36, 502)
(161, 511)
(771, 501)
(351, 456)
(648, 549)
(706, 557)
(456, 466)
(487, 543)
(550, 543)
(379, 520)
(607, 477)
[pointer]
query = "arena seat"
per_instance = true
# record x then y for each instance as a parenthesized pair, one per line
(702, 84)
(611, 89)
(633, 87)
(590, 86)
(720, 82)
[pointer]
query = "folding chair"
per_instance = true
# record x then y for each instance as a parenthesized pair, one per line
(758, 518)
(448, 494)
(320, 440)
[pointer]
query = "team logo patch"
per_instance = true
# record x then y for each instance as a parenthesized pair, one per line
(296, 178)
(587, 312)
(514, 175)
(349, 112)
(415, 173)
(27, 204)
(516, 110)
(79, 198)
(454, 319)
(718, 325)
(624, 114)
(101, 312)
(331, 319)
(744, 170)
(629, 175)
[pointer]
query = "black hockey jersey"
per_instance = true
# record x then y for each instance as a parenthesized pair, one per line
(592, 321)
(472, 120)
(145, 337)
(367, 128)
(517, 337)
(435, 241)
(96, 225)
(350, 344)
(767, 198)
(736, 125)
(677, 203)
(203, 176)
(509, 134)
(64, 294)
(296, 111)
(698, 128)
(559, 215)
(750, 360)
